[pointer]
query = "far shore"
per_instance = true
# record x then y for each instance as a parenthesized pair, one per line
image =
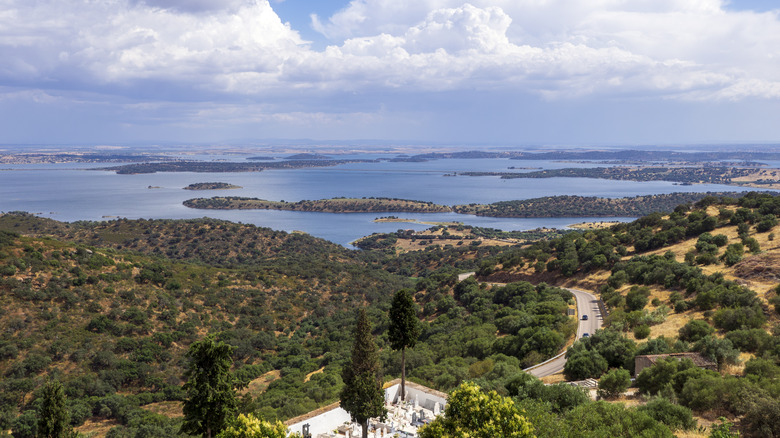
(412, 221)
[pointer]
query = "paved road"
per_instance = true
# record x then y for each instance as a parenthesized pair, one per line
(586, 305)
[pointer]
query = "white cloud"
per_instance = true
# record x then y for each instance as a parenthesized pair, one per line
(120, 42)
(240, 49)
(571, 47)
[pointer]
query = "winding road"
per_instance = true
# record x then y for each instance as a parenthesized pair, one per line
(587, 304)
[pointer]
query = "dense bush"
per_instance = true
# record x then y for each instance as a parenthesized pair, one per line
(675, 416)
(614, 383)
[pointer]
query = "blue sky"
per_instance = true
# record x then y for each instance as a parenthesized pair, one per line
(508, 72)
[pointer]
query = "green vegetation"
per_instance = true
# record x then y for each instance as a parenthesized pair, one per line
(248, 426)
(404, 329)
(53, 415)
(614, 383)
(334, 205)
(473, 413)
(210, 387)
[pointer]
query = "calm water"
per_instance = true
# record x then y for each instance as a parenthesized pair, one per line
(69, 192)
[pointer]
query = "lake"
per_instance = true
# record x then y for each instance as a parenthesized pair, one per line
(71, 192)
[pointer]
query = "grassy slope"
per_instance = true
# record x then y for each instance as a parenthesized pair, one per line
(762, 285)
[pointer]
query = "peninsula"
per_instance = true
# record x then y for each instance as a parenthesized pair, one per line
(333, 205)
(544, 207)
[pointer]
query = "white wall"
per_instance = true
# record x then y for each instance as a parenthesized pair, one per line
(323, 423)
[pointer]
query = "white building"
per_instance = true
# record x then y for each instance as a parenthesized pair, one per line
(422, 406)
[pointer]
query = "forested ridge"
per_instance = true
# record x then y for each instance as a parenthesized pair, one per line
(333, 205)
(585, 206)
(110, 309)
(548, 206)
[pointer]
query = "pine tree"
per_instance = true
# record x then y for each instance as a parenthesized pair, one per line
(404, 329)
(211, 389)
(362, 395)
(53, 416)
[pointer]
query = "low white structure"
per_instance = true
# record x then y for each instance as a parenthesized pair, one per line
(422, 406)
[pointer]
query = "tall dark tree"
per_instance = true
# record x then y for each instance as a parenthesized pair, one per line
(362, 395)
(53, 416)
(211, 388)
(404, 329)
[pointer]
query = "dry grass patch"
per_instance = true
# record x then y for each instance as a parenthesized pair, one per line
(96, 429)
(170, 409)
(308, 376)
(260, 384)
(674, 322)
(554, 378)
(691, 434)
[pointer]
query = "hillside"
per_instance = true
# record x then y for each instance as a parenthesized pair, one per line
(113, 321)
(109, 308)
(702, 279)
(108, 322)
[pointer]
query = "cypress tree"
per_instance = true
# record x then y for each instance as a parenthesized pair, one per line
(53, 416)
(404, 329)
(211, 389)
(362, 395)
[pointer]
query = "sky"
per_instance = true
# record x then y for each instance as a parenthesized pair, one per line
(478, 72)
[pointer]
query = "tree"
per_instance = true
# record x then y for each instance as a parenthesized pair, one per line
(720, 350)
(613, 346)
(674, 416)
(637, 298)
(53, 416)
(248, 426)
(655, 378)
(614, 383)
(761, 417)
(362, 394)
(583, 364)
(211, 388)
(602, 419)
(471, 413)
(404, 329)
(694, 330)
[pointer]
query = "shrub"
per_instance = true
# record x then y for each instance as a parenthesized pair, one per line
(675, 416)
(761, 419)
(614, 383)
(641, 331)
(637, 298)
(655, 378)
(584, 364)
(733, 254)
(694, 330)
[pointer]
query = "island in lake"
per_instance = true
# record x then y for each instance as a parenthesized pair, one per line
(212, 186)
(334, 205)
